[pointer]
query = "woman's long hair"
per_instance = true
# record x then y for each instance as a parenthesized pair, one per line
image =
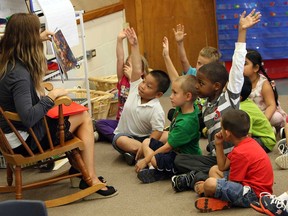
(22, 42)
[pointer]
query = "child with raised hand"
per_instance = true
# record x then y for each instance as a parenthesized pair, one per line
(143, 115)
(221, 96)
(106, 127)
(239, 178)
(206, 55)
(183, 135)
(264, 92)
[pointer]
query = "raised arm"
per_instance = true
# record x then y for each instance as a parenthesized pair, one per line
(120, 54)
(173, 74)
(179, 37)
(135, 54)
(246, 22)
(236, 73)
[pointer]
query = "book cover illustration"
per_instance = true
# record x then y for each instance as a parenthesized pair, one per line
(63, 53)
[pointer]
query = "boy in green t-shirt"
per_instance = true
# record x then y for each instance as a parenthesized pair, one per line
(183, 135)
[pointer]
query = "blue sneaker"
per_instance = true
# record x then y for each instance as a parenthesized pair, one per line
(129, 158)
(271, 205)
(152, 175)
(182, 182)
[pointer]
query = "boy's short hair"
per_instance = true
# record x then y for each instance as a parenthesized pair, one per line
(215, 72)
(211, 53)
(246, 88)
(187, 84)
(237, 122)
(162, 79)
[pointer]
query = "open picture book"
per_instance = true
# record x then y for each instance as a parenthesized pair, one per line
(63, 53)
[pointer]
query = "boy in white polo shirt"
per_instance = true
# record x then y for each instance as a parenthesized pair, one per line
(143, 115)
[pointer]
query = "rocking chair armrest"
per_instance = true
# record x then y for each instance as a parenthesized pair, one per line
(48, 86)
(63, 100)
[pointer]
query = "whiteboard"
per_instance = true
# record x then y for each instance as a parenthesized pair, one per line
(9, 7)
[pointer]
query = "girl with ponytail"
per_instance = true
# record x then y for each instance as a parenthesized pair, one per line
(264, 92)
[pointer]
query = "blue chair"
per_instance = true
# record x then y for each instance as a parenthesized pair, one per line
(23, 208)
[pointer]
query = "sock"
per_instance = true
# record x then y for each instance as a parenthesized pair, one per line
(283, 196)
(151, 167)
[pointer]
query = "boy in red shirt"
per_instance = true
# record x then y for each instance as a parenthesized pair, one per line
(239, 178)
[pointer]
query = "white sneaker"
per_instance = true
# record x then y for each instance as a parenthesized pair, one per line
(282, 161)
(282, 146)
(282, 133)
(96, 136)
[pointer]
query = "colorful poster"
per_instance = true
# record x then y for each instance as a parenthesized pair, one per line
(269, 37)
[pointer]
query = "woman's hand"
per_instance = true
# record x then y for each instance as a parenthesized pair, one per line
(57, 92)
(46, 35)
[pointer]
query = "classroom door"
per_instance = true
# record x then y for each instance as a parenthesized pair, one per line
(154, 19)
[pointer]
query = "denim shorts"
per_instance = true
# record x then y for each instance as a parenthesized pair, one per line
(235, 193)
(140, 139)
(165, 161)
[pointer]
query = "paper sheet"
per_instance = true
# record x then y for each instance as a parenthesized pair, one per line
(9, 7)
(60, 14)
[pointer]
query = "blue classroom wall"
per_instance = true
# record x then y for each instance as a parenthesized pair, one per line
(269, 36)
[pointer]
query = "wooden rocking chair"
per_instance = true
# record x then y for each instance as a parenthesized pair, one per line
(16, 162)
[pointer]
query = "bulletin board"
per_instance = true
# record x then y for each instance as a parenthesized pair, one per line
(269, 37)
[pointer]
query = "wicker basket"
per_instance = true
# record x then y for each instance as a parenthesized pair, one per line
(100, 101)
(106, 83)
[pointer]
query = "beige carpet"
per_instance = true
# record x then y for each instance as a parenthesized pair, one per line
(134, 197)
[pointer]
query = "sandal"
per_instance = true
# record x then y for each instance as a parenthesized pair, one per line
(100, 194)
(199, 188)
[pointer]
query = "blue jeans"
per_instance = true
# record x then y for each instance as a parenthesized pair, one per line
(234, 192)
(140, 139)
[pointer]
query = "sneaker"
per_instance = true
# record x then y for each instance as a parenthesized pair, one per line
(273, 206)
(182, 182)
(152, 175)
(257, 207)
(282, 146)
(282, 161)
(129, 158)
(205, 204)
(282, 133)
(96, 136)
(100, 194)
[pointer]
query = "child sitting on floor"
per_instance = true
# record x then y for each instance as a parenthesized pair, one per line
(264, 92)
(239, 178)
(260, 127)
(106, 127)
(143, 115)
(183, 135)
